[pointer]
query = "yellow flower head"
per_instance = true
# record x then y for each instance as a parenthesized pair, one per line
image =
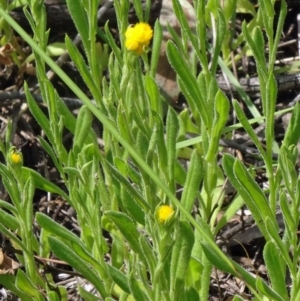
(138, 37)
(15, 157)
(164, 213)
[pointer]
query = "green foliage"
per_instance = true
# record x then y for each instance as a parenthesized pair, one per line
(117, 191)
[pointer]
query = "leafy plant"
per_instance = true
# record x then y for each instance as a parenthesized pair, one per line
(121, 189)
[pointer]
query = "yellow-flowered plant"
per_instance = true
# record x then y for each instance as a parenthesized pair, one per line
(138, 37)
(164, 213)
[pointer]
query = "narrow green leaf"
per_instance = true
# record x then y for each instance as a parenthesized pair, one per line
(244, 121)
(83, 127)
(55, 228)
(43, 184)
(233, 175)
(221, 112)
(135, 211)
(161, 145)
(180, 259)
(38, 114)
(80, 20)
(221, 30)
(28, 191)
(119, 278)
(24, 284)
(122, 180)
(8, 282)
(292, 134)
(290, 224)
(153, 94)
(257, 196)
(171, 134)
(136, 289)
(181, 16)
(9, 221)
(46, 146)
(63, 252)
(188, 80)
(259, 57)
(156, 48)
(276, 269)
(267, 291)
(193, 180)
(83, 69)
(128, 228)
(82, 252)
(87, 296)
(238, 298)
(113, 45)
(148, 252)
(273, 231)
(234, 206)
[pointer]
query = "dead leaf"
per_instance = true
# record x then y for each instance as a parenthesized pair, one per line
(7, 265)
(5, 54)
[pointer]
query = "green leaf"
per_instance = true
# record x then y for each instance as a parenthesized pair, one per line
(290, 224)
(156, 50)
(83, 69)
(234, 206)
(249, 191)
(56, 229)
(171, 133)
(8, 282)
(136, 288)
(87, 296)
(129, 203)
(127, 185)
(273, 232)
(245, 7)
(39, 116)
(267, 291)
(256, 49)
(238, 298)
(24, 284)
(80, 20)
(189, 82)
(193, 180)
(63, 252)
(128, 228)
(9, 221)
(28, 192)
(153, 95)
(43, 184)
(113, 45)
(181, 16)
(181, 256)
(46, 146)
(83, 127)
(82, 252)
(119, 278)
(292, 134)
(221, 30)
(244, 121)
(276, 269)
(221, 113)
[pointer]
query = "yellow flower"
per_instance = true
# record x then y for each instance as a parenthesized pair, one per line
(164, 213)
(15, 157)
(138, 37)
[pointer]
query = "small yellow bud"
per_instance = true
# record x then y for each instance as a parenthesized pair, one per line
(164, 213)
(15, 157)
